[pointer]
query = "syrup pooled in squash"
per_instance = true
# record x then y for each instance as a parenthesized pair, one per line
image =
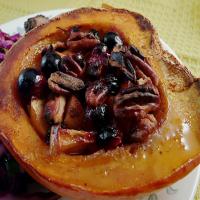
(98, 85)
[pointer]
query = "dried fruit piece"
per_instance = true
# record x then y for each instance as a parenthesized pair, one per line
(97, 93)
(69, 141)
(97, 62)
(36, 113)
(63, 83)
(54, 110)
(74, 114)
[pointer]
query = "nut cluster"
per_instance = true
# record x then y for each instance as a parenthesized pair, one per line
(92, 92)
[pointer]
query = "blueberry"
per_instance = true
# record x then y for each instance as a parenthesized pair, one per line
(113, 84)
(50, 62)
(111, 39)
(31, 83)
(105, 135)
(26, 81)
(100, 116)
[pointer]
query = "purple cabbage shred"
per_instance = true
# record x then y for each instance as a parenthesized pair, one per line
(6, 42)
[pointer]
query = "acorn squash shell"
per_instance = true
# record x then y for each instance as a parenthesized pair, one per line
(171, 153)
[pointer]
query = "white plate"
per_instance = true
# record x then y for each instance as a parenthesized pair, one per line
(185, 188)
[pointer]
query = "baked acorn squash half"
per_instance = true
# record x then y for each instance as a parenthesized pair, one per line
(101, 58)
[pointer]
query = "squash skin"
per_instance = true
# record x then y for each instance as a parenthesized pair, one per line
(115, 174)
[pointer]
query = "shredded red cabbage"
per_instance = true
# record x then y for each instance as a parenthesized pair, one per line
(15, 184)
(6, 42)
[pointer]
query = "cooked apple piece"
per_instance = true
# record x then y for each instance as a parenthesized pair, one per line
(54, 110)
(36, 109)
(74, 114)
(69, 141)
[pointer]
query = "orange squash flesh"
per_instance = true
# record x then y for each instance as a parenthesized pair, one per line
(171, 153)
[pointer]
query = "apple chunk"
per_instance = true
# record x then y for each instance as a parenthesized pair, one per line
(54, 109)
(74, 114)
(36, 112)
(69, 141)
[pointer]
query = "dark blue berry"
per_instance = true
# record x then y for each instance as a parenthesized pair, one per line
(113, 84)
(105, 135)
(100, 116)
(111, 39)
(50, 62)
(26, 81)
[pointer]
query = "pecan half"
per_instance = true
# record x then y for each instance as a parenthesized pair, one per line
(80, 40)
(69, 65)
(135, 99)
(144, 66)
(62, 83)
(145, 126)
